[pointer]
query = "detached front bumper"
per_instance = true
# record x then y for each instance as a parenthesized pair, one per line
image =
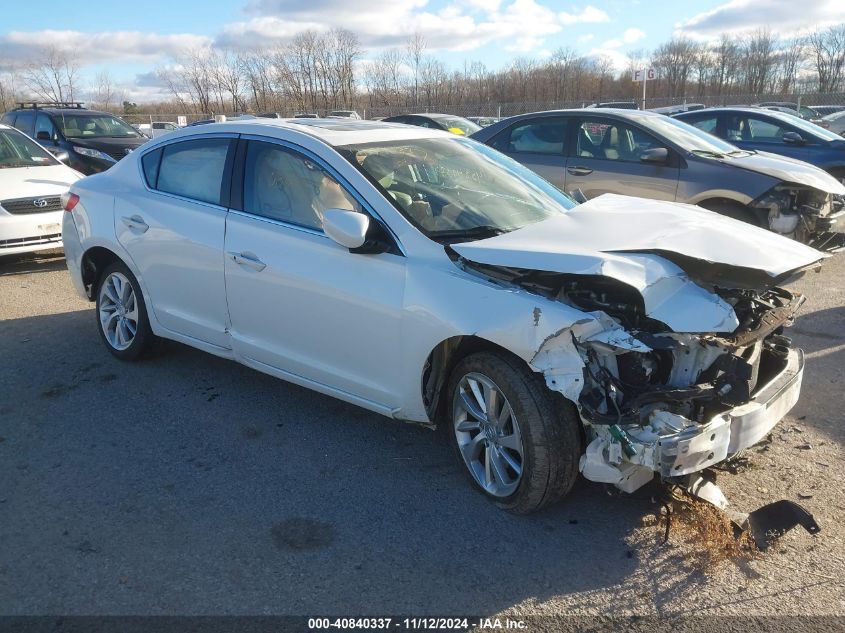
(673, 446)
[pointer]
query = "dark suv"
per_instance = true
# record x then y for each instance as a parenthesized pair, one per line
(93, 140)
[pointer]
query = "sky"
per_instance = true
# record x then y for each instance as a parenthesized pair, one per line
(132, 39)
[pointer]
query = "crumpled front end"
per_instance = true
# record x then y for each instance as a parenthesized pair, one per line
(804, 213)
(671, 404)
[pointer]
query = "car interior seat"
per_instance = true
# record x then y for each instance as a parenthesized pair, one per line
(268, 194)
(610, 143)
(382, 169)
(586, 147)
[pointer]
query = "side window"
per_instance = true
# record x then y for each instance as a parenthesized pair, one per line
(8, 119)
(421, 122)
(43, 125)
(703, 123)
(284, 185)
(535, 136)
(24, 122)
(764, 129)
(150, 163)
(194, 169)
(612, 140)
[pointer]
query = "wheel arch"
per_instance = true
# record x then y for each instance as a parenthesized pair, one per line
(714, 203)
(445, 356)
(92, 263)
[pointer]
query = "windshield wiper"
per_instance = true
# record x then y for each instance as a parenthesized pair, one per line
(707, 152)
(476, 232)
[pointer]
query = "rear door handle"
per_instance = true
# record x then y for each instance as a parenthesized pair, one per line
(136, 223)
(248, 259)
(579, 171)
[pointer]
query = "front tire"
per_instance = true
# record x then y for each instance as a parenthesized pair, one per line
(519, 444)
(121, 313)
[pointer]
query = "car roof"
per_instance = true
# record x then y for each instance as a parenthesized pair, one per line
(74, 111)
(334, 132)
(594, 112)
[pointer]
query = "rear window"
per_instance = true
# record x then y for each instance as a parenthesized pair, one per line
(193, 169)
(150, 163)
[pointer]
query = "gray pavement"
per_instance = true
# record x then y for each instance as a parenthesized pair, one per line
(187, 484)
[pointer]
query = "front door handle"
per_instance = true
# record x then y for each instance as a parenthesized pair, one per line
(248, 259)
(579, 171)
(136, 223)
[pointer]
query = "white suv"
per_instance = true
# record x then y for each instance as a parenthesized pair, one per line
(31, 183)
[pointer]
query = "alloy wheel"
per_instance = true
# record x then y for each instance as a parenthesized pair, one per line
(488, 434)
(118, 307)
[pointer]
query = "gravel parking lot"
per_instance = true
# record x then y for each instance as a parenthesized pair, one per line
(187, 484)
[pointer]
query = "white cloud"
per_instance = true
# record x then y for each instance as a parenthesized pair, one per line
(632, 35)
(618, 59)
(583, 39)
(788, 17)
(520, 25)
(99, 47)
(588, 14)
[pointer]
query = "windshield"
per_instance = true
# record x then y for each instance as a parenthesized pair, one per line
(805, 126)
(454, 189)
(687, 136)
(16, 150)
(94, 126)
(453, 123)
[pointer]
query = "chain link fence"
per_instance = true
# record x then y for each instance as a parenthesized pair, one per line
(504, 109)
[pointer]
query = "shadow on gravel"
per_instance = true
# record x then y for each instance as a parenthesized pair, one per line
(45, 261)
(818, 331)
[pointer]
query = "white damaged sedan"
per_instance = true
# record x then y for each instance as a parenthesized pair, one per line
(431, 279)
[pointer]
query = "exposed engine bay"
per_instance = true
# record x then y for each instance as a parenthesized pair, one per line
(665, 402)
(803, 213)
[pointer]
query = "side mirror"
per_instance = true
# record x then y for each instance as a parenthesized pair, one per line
(793, 137)
(347, 228)
(657, 155)
(43, 135)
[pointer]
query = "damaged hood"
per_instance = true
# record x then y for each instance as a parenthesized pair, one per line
(788, 170)
(673, 254)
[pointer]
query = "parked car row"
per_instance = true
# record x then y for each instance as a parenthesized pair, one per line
(549, 337)
(775, 132)
(636, 152)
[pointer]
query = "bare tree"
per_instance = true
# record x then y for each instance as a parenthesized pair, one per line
(385, 78)
(9, 91)
(104, 90)
(53, 76)
(827, 48)
(416, 51)
(674, 61)
(191, 80)
(792, 57)
(760, 61)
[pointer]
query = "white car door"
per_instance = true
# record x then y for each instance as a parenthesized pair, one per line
(173, 232)
(300, 302)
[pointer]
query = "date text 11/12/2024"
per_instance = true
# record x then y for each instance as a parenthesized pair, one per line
(416, 624)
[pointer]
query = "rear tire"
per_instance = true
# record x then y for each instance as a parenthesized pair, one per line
(122, 314)
(520, 448)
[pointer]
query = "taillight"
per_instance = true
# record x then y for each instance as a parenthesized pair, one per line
(69, 201)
